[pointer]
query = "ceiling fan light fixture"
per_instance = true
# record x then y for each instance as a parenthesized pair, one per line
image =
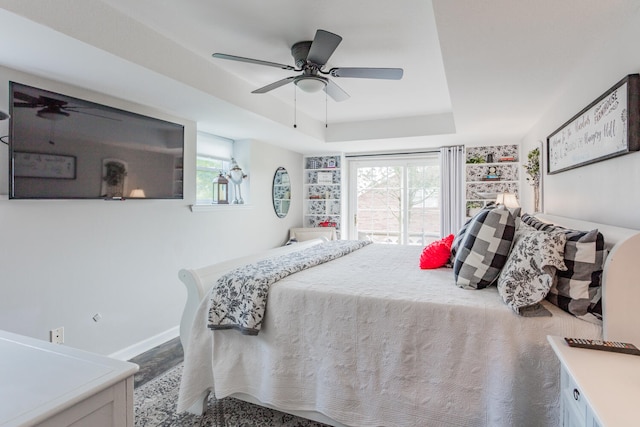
(310, 84)
(52, 113)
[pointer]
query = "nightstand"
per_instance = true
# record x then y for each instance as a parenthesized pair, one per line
(44, 384)
(597, 388)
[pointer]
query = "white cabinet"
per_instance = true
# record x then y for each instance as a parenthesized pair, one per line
(491, 170)
(44, 384)
(322, 192)
(598, 388)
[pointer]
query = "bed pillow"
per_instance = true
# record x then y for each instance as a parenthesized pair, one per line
(460, 234)
(484, 248)
(529, 271)
(534, 222)
(436, 254)
(578, 290)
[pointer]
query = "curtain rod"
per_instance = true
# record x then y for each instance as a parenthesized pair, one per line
(435, 150)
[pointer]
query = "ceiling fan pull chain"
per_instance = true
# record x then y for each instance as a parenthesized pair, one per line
(295, 107)
(326, 109)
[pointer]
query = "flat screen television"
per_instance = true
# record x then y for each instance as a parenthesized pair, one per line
(62, 147)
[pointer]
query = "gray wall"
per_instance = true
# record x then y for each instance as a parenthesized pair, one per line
(605, 191)
(62, 261)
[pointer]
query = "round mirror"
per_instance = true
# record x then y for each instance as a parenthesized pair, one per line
(281, 192)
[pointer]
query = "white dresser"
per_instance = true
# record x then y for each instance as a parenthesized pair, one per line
(44, 384)
(598, 388)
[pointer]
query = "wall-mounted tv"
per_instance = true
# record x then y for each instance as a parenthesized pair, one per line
(62, 147)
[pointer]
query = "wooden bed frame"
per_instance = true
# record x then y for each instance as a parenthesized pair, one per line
(621, 292)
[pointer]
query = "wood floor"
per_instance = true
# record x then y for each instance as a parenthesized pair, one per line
(157, 361)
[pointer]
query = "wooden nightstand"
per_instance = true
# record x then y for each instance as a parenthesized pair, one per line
(598, 388)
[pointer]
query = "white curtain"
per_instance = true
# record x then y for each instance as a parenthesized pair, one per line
(452, 196)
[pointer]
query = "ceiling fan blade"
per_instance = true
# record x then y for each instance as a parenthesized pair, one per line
(26, 104)
(92, 114)
(335, 92)
(252, 61)
(323, 46)
(274, 85)
(30, 99)
(368, 73)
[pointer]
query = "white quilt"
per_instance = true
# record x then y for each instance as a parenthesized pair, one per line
(369, 339)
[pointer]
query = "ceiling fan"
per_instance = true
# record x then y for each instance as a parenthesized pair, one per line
(50, 108)
(310, 58)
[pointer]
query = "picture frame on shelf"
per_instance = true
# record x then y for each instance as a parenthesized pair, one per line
(324, 178)
(331, 162)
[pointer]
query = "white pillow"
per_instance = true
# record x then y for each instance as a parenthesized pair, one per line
(528, 273)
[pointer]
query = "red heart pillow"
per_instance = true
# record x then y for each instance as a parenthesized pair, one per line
(436, 254)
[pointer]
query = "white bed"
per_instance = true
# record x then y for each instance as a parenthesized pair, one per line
(349, 343)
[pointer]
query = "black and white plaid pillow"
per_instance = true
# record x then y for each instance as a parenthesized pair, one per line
(578, 290)
(457, 240)
(484, 248)
(534, 222)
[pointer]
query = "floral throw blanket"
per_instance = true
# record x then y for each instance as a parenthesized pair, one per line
(239, 298)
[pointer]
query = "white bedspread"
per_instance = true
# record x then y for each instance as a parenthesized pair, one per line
(369, 339)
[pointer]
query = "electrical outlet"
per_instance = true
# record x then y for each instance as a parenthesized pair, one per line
(56, 335)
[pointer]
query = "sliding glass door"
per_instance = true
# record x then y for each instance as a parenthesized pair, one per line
(395, 201)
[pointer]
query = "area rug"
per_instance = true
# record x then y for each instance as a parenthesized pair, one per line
(155, 405)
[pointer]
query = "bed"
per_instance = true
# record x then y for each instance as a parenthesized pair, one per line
(369, 339)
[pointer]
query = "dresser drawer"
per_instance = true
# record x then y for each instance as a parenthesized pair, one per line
(574, 405)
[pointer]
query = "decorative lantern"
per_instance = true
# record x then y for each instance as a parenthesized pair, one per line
(220, 190)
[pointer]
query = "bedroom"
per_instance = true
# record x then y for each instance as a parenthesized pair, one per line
(65, 261)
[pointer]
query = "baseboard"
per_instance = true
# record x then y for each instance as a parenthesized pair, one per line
(146, 345)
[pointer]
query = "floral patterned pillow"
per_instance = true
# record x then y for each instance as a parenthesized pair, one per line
(529, 271)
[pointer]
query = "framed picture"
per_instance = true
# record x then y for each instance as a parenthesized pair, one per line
(608, 127)
(39, 165)
(325, 178)
(331, 162)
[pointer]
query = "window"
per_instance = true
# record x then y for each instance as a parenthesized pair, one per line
(396, 201)
(214, 155)
(207, 168)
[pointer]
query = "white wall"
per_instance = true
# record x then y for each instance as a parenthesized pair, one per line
(605, 191)
(63, 261)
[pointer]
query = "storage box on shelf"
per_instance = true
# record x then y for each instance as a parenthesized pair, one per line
(322, 192)
(491, 170)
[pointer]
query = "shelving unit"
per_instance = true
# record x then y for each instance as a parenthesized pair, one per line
(507, 172)
(322, 191)
(178, 170)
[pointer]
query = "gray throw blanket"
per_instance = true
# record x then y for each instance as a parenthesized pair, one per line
(239, 298)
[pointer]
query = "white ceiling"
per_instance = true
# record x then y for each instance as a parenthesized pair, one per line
(475, 71)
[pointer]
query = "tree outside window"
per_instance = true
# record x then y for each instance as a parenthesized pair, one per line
(207, 168)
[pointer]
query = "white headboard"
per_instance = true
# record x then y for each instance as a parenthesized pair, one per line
(620, 280)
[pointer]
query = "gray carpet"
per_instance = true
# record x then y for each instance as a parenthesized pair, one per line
(155, 405)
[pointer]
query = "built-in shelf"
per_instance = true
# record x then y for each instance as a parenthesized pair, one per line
(322, 191)
(477, 182)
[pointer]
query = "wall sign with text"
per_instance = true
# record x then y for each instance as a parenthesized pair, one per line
(608, 127)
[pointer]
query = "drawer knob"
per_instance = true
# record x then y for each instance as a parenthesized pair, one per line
(576, 394)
